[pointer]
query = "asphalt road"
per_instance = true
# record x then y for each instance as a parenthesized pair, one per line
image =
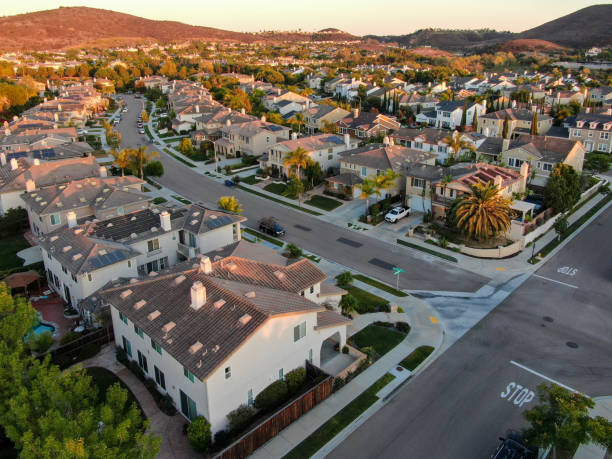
(363, 253)
(556, 325)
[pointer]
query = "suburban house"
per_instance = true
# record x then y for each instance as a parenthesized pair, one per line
(519, 122)
(250, 138)
(434, 188)
(25, 142)
(426, 139)
(564, 97)
(364, 125)
(594, 130)
(16, 174)
(601, 95)
(372, 160)
(415, 100)
(317, 116)
(322, 148)
(208, 125)
(53, 206)
(541, 152)
(217, 333)
(81, 259)
(448, 114)
(280, 99)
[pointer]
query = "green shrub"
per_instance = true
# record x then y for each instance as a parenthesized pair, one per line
(88, 351)
(159, 200)
(403, 327)
(222, 439)
(400, 309)
(199, 435)
(345, 349)
(294, 251)
(295, 379)
(345, 279)
(338, 384)
(42, 342)
(154, 169)
(69, 337)
(272, 396)
(240, 417)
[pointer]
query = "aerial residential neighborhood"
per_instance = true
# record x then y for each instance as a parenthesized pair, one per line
(236, 231)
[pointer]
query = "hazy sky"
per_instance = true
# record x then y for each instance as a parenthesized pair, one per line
(359, 17)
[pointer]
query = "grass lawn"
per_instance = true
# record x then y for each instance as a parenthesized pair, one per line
(178, 158)
(181, 199)
(323, 203)
(251, 180)
(379, 285)
(339, 421)
(416, 357)
(9, 246)
(279, 201)
(382, 339)
(366, 299)
(159, 200)
(276, 188)
(263, 237)
(103, 379)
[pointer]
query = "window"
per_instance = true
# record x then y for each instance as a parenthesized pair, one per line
(590, 133)
(510, 161)
(299, 331)
(330, 157)
(250, 400)
(330, 150)
(156, 346)
(89, 277)
(64, 270)
(577, 133)
(160, 379)
(55, 219)
(228, 372)
(49, 255)
(74, 278)
(604, 135)
(418, 183)
(142, 362)
(192, 240)
(123, 318)
(188, 406)
(310, 355)
(153, 245)
(127, 346)
(312, 289)
(138, 331)
(547, 167)
(235, 231)
(188, 374)
(364, 171)
(602, 147)
(281, 374)
(129, 263)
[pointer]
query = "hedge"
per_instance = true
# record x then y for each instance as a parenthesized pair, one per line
(272, 396)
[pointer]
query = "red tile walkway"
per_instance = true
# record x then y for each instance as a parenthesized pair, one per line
(52, 310)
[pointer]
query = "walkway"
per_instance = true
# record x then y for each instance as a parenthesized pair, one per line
(603, 407)
(170, 428)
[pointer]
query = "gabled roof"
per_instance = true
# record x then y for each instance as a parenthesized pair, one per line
(515, 115)
(429, 135)
(382, 157)
(312, 143)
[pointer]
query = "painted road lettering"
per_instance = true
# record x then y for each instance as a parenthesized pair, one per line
(517, 394)
(568, 270)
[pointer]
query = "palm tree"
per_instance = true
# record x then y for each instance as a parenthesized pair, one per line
(368, 188)
(122, 159)
(140, 156)
(230, 204)
(297, 159)
(445, 181)
(385, 181)
(298, 119)
(484, 212)
(456, 143)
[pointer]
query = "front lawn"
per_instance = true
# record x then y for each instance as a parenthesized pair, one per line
(251, 180)
(382, 339)
(367, 302)
(416, 357)
(9, 246)
(323, 203)
(103, 379)
(276, 188)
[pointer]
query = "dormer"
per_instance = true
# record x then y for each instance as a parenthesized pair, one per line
(579, 124)
(593, 125)
(607, 126)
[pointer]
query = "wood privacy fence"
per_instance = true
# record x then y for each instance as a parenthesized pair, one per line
(72, 349)
(272, 425)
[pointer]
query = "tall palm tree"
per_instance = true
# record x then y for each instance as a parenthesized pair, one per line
(484, 212)
(122, 159)
(298, 119)
(445, 181)
(368, 188)
(297, 159)
(140, 156)
(456, 143)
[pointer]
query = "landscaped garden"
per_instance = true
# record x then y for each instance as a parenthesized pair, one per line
(379, 337)
(323, 203)
(103, 379)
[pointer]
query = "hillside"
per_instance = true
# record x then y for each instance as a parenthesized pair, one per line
(451, 40)
(67, 27)
(590, 26)
(529, 44)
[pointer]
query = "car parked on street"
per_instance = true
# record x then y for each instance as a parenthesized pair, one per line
(397, 213)
(512, 447)
(269, 225)
(141, 131)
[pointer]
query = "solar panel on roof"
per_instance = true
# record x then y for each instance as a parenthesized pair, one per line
(218, 222)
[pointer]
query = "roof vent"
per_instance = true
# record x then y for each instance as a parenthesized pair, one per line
(231, 266)
(105, 190)
(59, 204)
(213, 217)
(53, 238)
(76, 256)
(250, 294)
(125, 294)
(195, 347)
(217, 304)
(245, 319)
(216, 348)
(153, 274)
(279, 274)
(133, 280)
(66, 248)
(133, 219)
(44, 203)
(79, 186)
(169, 326)
(82, 199)
(102, 252)
(154, 315)
(139, 304)
(195, 214)
(133, 235)
(179, 279)
(154, 228)
(110, 225)
(193, 222)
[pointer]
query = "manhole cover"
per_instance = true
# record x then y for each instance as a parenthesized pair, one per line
(571, 344)
(548, 319)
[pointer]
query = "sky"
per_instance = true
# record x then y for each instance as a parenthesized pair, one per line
(360, 17)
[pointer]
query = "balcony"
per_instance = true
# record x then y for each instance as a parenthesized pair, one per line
(187, 251)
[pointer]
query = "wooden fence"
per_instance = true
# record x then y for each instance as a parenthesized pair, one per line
(271, 426)
(72, 350)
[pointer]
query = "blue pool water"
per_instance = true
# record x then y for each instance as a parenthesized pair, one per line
(41, 328)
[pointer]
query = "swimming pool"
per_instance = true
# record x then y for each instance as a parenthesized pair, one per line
(42, 328)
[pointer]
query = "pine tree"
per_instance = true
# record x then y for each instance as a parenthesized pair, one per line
(475, 121)
(534, 123)
(463, 116)
(506, 128)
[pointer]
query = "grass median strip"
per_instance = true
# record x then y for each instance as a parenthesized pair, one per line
(263, 237)
(416, 357)
(178, 158)
(181, 199)
(279, 201)
(426, 250)
(379, 285)
(339, 421)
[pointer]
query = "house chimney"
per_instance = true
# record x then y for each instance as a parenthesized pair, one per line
(498, 181)
(355, 112)
(587, 110)
(102, 171)
(71, 219)
(197, 108)
(386, 140)
(59, 107)
(205, 264)
(263, 118)
(228, 122)
(505, 144)
(243, 111)
(525, 169)
(198, 295)
(14, 164)
(347, 140)
(36, 162)
(7, 131)
(30, 185)
(3, 159)
(278, 91)
(164, 218)
(294, 136)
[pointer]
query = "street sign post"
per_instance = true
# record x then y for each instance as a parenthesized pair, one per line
(396, 273)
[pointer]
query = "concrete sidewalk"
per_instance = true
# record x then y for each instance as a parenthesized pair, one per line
(603, 407)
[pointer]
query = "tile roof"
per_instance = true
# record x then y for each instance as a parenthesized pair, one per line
(384, 157)
(327, 319)
(313, 142)
(515, 115)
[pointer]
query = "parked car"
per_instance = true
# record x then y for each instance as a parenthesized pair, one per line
(397, 213)
(124, 110)
(141, 131)
(228, 182)
(512, 447)
(270, 225)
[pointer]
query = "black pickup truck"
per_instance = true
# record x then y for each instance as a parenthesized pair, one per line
(269, 225)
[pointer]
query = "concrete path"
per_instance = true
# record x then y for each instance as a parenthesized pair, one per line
(603, 407)
(170, 428)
